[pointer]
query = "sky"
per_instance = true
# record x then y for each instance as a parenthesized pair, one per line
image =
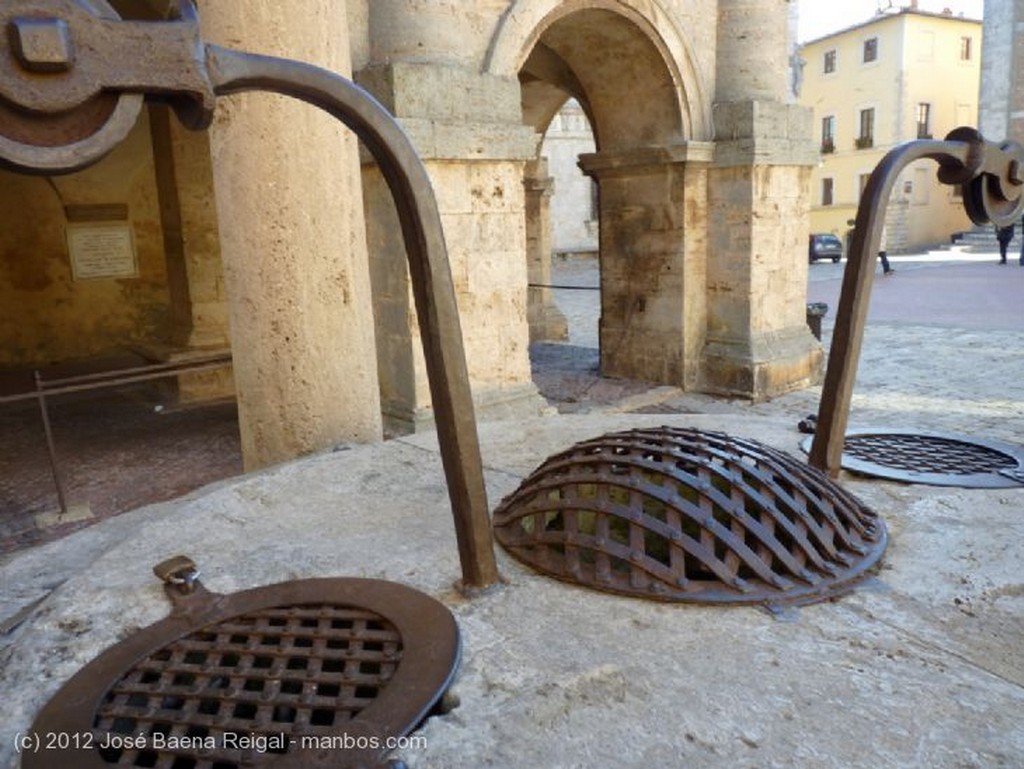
(822, 17)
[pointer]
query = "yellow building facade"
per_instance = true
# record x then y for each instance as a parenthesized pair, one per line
(900, 76)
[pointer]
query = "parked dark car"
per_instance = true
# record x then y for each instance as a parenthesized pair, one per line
(825, 246)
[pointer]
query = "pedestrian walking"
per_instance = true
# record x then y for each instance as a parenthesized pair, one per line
(884, 256)
(1004, 235)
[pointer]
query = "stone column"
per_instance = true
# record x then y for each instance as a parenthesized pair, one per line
(467, 128)
(1001, 107)
(758, 342)
(753, 57)
(547, 323)
(290, 210)
(188, 217)
(653, 255)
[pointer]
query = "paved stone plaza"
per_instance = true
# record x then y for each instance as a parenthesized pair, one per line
(920, 667)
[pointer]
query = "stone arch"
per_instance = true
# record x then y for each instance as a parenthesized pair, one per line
(523, 23)
(650, 168)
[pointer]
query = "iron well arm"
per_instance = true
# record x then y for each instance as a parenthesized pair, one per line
(433, 290)
(69, 94)
(990, 177)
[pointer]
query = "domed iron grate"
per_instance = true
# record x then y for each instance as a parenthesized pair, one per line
(688, 515)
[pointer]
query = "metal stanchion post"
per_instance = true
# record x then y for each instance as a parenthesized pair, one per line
(58, 481)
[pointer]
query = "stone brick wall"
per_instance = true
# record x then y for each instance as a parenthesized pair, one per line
(47, 315)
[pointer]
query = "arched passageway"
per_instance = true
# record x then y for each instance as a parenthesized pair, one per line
(651, 180)
(698, 233)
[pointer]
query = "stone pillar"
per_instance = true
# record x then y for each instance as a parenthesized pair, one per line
(547, 323)
(483, 215)
(758, 342)
(188, 217)
(753, 51)
(289, 204)
(653, 257)
(467, 127)
(435, 31)
(1001, 107)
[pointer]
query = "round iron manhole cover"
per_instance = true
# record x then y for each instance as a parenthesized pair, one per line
(937, 459)
(310, 673)
(687, 515)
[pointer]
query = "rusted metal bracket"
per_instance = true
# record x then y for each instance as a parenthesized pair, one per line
(73, 79)
(71, 84)
(991, 177)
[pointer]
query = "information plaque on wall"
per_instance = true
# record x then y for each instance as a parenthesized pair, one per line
(102, 250)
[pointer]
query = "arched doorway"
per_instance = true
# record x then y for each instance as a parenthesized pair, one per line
(561, 233)
(563, 292)
(643, 101)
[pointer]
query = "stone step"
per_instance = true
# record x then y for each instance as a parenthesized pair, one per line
(982, 239)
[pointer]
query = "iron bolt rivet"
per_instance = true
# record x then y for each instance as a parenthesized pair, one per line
(43, 45)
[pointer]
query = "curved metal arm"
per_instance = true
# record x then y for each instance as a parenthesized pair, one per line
(990, 176)
(440, 330)
(75, 74)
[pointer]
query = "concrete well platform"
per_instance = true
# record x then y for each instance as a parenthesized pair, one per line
(922, 666)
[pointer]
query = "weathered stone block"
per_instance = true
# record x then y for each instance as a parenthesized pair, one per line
(759, 132)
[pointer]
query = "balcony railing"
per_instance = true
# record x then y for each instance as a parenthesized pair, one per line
(864, 142)
(827, 146)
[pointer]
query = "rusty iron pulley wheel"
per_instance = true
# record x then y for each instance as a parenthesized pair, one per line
(73, 81)
(687, 515)
(308, 673)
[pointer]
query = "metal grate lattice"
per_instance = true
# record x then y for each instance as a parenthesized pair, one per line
(939, 459)
(307, 673)
(274, 673)
(923, 453)
(687, 515)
